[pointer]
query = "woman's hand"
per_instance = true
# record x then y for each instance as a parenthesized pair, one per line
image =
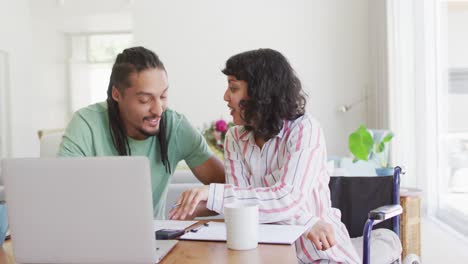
(322, 235)
(188, 202)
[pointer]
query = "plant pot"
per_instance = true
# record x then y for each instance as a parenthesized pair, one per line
(384, 171)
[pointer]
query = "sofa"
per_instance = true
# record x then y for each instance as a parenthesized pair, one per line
(49, 142)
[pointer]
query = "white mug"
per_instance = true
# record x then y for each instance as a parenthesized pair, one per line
(241, 225)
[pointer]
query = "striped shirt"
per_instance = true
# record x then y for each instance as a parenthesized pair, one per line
(288, 178)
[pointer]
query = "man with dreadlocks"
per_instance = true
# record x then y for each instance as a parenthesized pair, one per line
(135, 121)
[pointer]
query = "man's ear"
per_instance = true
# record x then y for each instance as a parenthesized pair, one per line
(116, 94)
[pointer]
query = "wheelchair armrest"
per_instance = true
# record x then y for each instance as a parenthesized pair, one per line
(385, 212)
(376, 216)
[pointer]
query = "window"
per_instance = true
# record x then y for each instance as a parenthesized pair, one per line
(428, 95)
(91, 59)
(104, 48)
(453, 110)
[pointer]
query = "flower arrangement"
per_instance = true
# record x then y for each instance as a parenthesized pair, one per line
(215, 134)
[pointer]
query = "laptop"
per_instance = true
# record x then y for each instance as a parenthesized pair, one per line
(82, 210)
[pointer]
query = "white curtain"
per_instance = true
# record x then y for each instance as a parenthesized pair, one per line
(415, 78)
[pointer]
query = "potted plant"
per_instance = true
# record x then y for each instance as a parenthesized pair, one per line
(367, 147)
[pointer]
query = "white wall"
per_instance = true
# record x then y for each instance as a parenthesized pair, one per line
(49, 57)
(325, 41)
(15, 39)
(4, 105)
(52, 22)
(33, 33)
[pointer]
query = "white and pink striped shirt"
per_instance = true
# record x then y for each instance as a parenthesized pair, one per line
(288, 178)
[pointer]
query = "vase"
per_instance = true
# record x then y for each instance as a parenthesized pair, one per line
(384, 171)
(219, 153)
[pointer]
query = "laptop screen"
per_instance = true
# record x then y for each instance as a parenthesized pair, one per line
(86, 210)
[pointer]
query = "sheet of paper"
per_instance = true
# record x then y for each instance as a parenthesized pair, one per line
(172, 224)
(268, 234)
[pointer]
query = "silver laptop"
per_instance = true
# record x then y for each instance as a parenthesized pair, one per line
(82, 210)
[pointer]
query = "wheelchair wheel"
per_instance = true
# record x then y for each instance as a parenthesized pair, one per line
(412, 259)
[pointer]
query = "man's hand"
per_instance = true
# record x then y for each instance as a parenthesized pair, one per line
(189, 201)
(322, 235)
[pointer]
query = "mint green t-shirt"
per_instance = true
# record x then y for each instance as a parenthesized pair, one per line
(88, 134)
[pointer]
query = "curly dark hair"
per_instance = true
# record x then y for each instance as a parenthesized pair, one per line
(132, 60)
(274, 89)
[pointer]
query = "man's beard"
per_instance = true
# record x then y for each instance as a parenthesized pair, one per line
(150, 134)
(147, 134)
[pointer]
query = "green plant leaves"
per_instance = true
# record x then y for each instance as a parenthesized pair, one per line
(381, 145)
(360, 143)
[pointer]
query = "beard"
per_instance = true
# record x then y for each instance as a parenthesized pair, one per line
(147, 133)
(150, 133)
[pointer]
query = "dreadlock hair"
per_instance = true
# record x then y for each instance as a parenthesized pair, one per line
(275, 92)
(132, 60)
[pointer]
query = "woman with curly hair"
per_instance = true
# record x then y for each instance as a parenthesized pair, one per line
(275, 156)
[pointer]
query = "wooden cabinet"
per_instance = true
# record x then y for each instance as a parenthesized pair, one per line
(410, 224)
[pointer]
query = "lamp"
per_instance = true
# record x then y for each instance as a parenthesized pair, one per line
(346, 107)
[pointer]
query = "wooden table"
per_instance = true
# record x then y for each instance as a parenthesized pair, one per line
(217, 252)
(204, 252)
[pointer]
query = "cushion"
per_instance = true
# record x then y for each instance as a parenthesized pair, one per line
(385, 246)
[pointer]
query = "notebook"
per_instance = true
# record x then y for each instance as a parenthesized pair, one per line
(267, 233)
(82, 210)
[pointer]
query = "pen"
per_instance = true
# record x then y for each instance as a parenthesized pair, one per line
(175, 205)
(194, 230)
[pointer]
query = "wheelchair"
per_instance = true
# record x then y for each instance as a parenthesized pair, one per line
(370, 209)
